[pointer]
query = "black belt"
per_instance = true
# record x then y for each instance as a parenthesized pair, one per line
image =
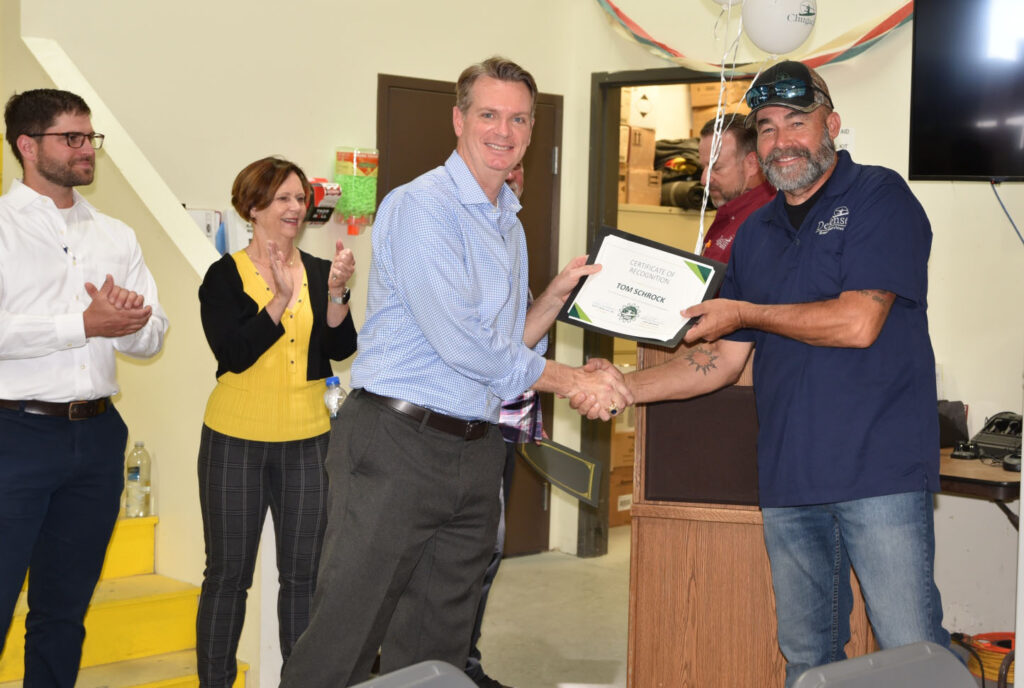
(72, 410)
(466, 429)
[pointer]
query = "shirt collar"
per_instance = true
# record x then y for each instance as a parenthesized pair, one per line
(22, 196)
(757, 197)
(843, 176)
(469, 190)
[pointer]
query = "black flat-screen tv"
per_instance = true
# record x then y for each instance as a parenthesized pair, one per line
(967, 90)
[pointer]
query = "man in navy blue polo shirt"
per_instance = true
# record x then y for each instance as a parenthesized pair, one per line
(827, 286)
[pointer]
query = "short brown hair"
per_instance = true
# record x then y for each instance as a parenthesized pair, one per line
(256, 184)
(35, 111)
(746, 138)
(497, 68)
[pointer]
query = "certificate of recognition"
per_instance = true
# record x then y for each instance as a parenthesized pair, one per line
(641, 288)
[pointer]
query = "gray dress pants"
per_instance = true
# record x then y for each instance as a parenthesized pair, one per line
(412, 520)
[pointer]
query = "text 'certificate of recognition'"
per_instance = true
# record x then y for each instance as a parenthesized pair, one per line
(641, 288)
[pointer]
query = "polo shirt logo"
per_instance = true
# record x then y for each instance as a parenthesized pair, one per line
(839, 218)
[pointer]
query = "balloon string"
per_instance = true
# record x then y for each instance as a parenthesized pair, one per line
(716, 134)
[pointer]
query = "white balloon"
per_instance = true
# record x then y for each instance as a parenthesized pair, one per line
(778, 26)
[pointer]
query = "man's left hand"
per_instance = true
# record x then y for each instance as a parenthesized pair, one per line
(566, 280)
(718, 317)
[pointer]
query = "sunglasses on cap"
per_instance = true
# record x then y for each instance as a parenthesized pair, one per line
(795, 92)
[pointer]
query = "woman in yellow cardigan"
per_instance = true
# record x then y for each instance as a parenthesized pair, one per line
(274, 317)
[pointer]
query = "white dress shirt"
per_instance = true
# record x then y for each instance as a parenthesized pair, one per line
(46, 257)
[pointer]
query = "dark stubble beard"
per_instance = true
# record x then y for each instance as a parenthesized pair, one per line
(63, 174)
(818, 164)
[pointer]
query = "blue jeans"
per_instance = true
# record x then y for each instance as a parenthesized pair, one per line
(890, 542)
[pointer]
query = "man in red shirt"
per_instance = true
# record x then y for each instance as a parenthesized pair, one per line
(736, 185)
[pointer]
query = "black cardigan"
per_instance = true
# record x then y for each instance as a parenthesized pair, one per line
(239, 332)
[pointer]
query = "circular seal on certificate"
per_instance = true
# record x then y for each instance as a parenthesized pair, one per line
(628, 312)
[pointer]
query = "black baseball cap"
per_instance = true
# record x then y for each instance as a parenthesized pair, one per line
(788, 84)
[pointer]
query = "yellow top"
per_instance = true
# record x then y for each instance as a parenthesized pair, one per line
(271, 401)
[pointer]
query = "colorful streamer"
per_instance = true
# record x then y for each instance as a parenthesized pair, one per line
(850, 44)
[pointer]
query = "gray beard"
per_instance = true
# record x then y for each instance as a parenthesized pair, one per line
(817, 165)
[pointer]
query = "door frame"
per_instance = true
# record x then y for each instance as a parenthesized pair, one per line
(603, 208)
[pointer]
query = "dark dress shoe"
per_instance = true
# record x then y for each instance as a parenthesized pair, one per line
(486, 681)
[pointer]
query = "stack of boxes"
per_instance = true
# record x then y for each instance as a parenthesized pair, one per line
(704, 101)
(639, 182)
(620, 480)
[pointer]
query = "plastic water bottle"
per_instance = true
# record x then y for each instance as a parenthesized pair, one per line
(137, 482)
(334, 396)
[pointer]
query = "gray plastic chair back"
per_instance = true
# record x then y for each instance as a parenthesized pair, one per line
(431, 674)
(921, 665)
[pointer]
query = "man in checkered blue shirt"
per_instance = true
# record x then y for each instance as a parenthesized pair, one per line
(416, 456)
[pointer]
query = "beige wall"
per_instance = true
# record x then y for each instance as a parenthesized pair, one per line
(204, 88)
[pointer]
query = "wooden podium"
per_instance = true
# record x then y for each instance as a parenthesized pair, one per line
(701, 606)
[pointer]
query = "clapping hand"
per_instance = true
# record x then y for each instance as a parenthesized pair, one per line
(114, 311)
(282, 276)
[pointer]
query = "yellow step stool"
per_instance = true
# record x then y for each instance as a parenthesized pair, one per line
(131, 550)
(140, 627)
(128, 618)
(172, 670)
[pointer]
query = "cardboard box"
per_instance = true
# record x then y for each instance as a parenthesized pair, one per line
(643, 187)
(703, 95)
(622, 449)
(623, 144)
(620, 496)
(625, 103)
(700, 116)
(640, 148)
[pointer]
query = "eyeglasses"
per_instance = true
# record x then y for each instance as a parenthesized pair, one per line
(76, 139)
(796, 91)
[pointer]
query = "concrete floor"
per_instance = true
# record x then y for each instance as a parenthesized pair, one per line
(557, 621)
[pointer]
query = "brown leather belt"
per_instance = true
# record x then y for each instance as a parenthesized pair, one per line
(466, 429)
(72, 410)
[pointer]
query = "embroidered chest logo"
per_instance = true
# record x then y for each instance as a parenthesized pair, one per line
(838, 221)
(721, 242)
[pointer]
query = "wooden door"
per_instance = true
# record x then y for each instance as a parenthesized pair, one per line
(414, 135)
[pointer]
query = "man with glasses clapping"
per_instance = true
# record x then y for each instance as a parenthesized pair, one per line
(73, 290)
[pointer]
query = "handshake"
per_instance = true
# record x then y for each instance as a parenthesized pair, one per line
(599, 390)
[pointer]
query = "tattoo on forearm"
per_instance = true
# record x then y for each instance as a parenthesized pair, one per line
(877, 295)
(702, 358)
